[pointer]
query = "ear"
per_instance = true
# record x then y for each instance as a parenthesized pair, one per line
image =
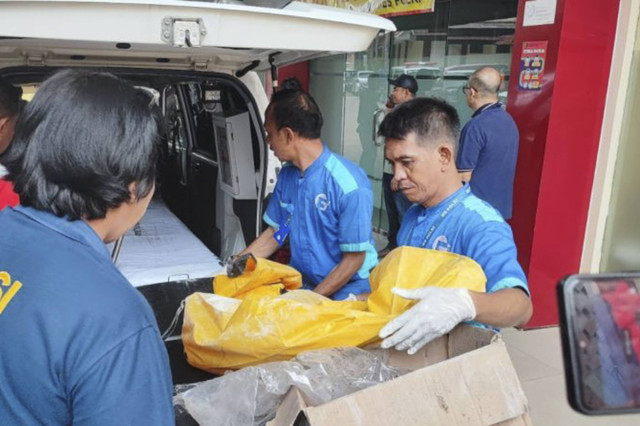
(3, 124)
(445, 154)
(133, 189)
(289, 134)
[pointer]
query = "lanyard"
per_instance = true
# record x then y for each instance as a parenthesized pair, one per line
(483, 108)
(452, 204)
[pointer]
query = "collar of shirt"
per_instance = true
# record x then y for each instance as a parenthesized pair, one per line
(428, 212)
(77, 230)
(485, 107)
(3, 171)
(317, 164)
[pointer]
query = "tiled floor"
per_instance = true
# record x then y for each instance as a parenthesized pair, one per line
(537, 356)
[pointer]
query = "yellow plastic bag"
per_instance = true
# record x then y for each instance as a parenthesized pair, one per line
(222, 333)
(413, 267)
(268, 278)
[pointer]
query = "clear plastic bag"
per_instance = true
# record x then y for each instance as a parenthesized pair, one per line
(252, 395)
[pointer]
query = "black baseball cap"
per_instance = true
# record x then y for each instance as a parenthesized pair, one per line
(405, 81)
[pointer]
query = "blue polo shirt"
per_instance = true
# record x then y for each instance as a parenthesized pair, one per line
(489, 148)
(466, 225)
(78, 344)
(328, 210)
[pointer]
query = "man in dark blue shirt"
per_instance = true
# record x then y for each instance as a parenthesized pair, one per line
(79, 344)
(488, 143)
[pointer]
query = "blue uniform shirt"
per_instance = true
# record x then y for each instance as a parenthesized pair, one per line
(489, 148)
(466, 225)
(328, 210)
(78, 343)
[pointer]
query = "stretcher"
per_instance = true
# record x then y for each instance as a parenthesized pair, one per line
(161, 248)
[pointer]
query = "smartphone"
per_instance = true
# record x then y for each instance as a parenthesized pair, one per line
(600, 329)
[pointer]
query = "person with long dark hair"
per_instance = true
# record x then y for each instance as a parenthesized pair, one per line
(80, 345)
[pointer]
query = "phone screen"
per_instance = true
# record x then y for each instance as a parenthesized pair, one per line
(600, 327)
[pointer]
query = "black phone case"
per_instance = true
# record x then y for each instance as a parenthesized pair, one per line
(572, 365)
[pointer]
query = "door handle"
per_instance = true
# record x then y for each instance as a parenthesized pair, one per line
(374, 134)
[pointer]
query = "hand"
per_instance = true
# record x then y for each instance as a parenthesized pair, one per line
(437, 313)
(394, 184)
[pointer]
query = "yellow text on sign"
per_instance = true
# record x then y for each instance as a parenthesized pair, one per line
(7, 289)
(390, 8)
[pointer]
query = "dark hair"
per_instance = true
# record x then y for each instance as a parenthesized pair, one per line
(297, 110)
(430, 119)
(9, 98)
(79, 144)
(291, 83)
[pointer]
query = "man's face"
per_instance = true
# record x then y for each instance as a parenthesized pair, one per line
(470, 94)
(276, 139)
(416, 168)
(400, 95)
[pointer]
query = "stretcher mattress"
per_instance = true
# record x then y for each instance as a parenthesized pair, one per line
(161, 248)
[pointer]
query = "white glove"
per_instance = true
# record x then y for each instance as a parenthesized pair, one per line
(439, 310)
(350, 298)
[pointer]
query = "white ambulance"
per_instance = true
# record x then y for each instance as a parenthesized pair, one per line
(203, 60)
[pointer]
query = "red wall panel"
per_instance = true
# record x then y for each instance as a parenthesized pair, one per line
(560, 131)
(300, 71)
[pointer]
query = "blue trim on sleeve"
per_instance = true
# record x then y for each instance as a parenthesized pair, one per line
(270, 221)
(355, 247)
(370, 261)
(486, 212)
(510, 282)
(341, 174)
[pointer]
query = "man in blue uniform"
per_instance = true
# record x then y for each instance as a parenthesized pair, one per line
(420, 142)
(489, 143)
(79, 344)
(322, 202)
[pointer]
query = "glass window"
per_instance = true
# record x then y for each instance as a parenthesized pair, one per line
(621, 249)
(440, 49)
(204, 141)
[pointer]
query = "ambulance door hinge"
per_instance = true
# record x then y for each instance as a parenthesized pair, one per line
(35, 59)
(199, 64)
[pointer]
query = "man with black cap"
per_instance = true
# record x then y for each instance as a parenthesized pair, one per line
(404, 89)
(396, 203)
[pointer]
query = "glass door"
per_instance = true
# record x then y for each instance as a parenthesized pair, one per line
(440, 50)
(351, 91)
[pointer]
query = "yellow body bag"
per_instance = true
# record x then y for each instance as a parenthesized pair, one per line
(224, 333)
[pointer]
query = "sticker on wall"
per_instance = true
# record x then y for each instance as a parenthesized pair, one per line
(539, 12)
(532, 60)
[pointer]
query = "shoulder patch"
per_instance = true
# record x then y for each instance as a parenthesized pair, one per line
(486, 212)
(341, 174)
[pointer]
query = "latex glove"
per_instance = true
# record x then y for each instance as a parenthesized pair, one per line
(227, 264)
(438, 312)
(350, 298)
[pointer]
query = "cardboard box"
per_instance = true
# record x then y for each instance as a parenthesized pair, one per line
(463, 378)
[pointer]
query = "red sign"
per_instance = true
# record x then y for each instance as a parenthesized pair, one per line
(532, 62)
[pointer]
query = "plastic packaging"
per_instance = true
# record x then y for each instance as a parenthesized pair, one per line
(252, 395)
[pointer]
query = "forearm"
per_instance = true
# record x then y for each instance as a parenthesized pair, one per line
(510, 307)
(341, 274)
(263, 246)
